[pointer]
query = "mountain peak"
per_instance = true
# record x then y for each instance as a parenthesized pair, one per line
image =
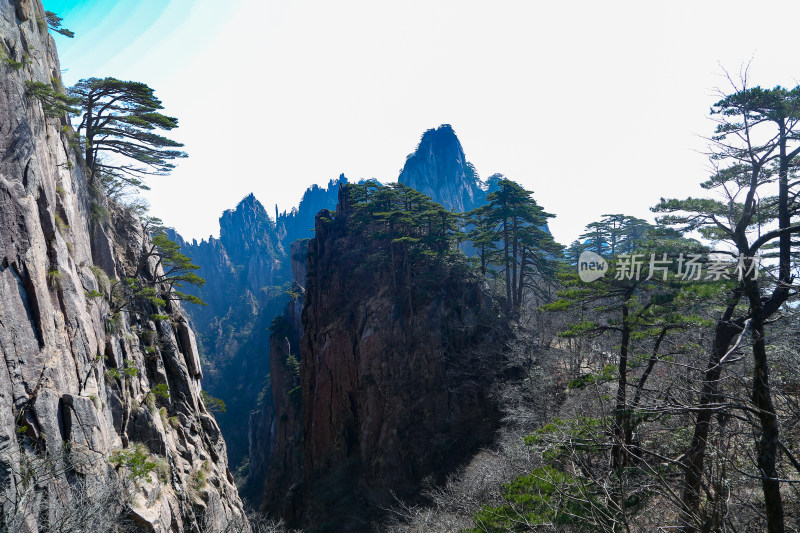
(246, 229)
(439, 168)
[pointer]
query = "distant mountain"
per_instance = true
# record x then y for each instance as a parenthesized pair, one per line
(246, 271)
(390, 389)
(440, 169)
(299, 222)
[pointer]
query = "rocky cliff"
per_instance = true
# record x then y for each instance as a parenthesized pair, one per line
(439, 168)
(388, 395)
(299, 222)
(276, 429)
(244, 271)
(248, 274)
(101, 423)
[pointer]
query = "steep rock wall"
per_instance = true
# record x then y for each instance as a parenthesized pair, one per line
(83, 392)
(276, 429)
(387, 398)
(244, 270)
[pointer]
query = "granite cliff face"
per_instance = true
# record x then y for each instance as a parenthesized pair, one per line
(247, 272)
(86, 395)
(276, 430)
(387, 397)
(244, 270)
(440, 169)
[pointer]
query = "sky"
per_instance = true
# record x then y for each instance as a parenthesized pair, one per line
(597, 107)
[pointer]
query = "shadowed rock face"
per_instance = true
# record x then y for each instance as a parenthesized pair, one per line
(387, 398)
(439, 169)
(245, 272)
(76, 384)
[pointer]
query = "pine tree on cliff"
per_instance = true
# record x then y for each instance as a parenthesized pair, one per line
(514, 220)
(119, 120)
(54, 23)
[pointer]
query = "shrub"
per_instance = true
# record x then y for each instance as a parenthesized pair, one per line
(54, 277)
(215, 405)
(545, 497)
(101, 277)
(136, 460)
(150, 401)
(161, 390)
(62, 226)
(113, 324)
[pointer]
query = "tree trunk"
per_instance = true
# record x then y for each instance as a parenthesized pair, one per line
(508, 271)
(622, 430)
(520, 282)
(514, 280)
(767, 445)
(695, 455)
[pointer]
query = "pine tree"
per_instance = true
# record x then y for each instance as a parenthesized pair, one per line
(755, 139)
(118, 123)
(516, 223)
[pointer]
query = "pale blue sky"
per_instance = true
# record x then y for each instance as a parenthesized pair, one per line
(595, 106)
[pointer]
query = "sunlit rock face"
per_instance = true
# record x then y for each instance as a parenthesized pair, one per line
(78, 384)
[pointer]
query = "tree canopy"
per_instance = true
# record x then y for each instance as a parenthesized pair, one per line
(510, 234)
(119, 124)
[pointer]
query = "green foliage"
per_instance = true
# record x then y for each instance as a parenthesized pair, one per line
(158, 317)
(547, 496)
(177, 269)
(150, 401)
(55, 104)
(113, 323)
(161, 390)
(215, 405)
(608, 374)
(120, 118)
(62, 226)
(404, 236)
(280, 327)
(127, 371)
(16, 65)
(54, 22)
(510, 236)
(54, 278)
(292, 364)
(94, 294)
(199, 477)
(98, 213)
(162, 414)
(136, 460)
(173, 270)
